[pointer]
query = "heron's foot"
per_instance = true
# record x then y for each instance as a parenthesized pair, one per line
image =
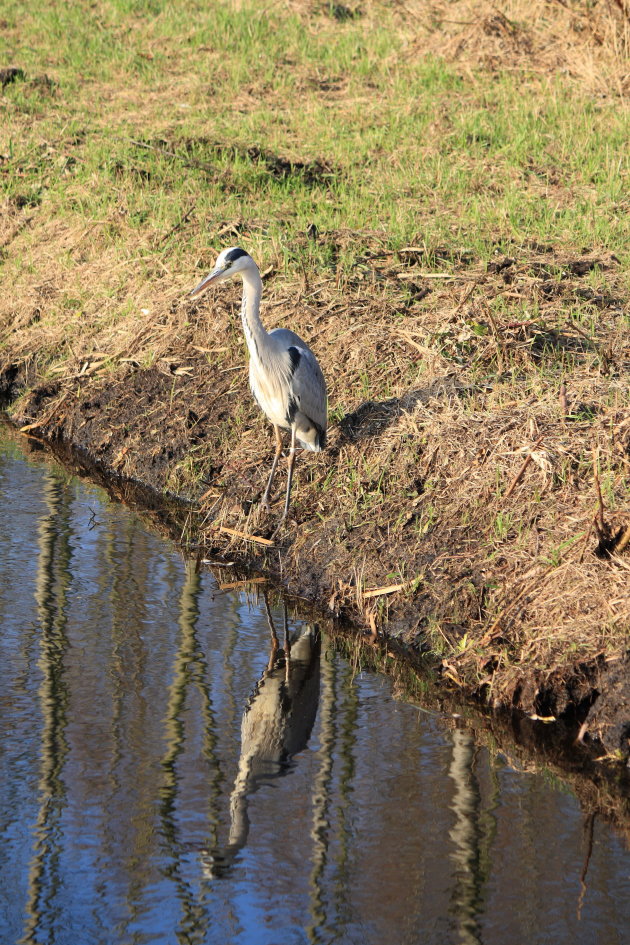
(264, 504)
(279, 526)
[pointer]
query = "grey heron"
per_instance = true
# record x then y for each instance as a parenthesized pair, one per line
(284, 375)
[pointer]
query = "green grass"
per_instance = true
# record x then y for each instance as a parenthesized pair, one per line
(412, 149)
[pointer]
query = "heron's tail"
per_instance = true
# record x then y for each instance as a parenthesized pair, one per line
(321, 439)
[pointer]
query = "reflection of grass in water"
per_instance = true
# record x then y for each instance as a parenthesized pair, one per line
(52, 588)
(190, 672)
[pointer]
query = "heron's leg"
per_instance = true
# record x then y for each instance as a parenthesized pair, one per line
(265, 499)
(287, 646)
(274, 636)
(290, 474)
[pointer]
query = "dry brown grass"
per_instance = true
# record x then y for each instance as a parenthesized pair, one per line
(589, 43)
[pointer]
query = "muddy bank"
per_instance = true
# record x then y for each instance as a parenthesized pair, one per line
(462, 518)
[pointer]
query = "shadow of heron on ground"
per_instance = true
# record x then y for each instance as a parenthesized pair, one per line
(276, 725)
(372, 418)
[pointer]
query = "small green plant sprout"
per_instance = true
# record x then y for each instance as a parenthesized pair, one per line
(502, 525)
(555, 556)
(462, 644)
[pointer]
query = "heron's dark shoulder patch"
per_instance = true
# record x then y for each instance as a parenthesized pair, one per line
(235, 254)
(296, 356)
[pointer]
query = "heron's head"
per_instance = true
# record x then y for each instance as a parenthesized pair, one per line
(229, 263)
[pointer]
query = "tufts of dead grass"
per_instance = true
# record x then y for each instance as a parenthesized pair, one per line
(588, 42)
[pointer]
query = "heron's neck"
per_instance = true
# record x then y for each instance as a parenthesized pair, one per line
(255, 333)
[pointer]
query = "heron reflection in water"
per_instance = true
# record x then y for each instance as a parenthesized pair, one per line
(276, 725)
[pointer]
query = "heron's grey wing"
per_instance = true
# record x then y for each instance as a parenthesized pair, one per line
(307, 386)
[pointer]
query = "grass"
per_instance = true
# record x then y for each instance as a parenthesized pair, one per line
(155, 110)
(439, 207)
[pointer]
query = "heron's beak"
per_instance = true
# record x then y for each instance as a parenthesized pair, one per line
(205, 282)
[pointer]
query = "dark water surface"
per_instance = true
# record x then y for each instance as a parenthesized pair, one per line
(161, 783)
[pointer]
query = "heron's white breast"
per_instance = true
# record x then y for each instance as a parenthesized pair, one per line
(270, 395)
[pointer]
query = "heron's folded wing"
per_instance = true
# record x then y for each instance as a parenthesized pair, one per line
(308, 388)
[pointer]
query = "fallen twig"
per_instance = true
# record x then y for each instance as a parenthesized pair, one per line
(388, 589)
(519, 474)
(47, 417)
(177, 226)
(246, 536)
(599, 520)
(232, 584)
(587, 536)
(466, 295)
(451, 276)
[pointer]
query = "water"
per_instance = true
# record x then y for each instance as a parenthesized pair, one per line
(159, 783)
